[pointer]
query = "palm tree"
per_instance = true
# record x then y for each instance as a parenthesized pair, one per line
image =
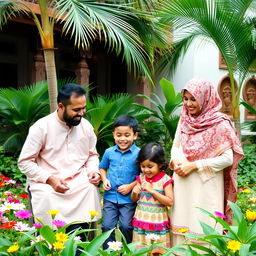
(124, 29)
(224, 22)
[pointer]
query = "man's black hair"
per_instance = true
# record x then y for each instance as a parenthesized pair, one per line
(126, 120)
(68, 90)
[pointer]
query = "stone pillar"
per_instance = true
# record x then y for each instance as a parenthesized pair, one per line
(82, 71)
(39, 67)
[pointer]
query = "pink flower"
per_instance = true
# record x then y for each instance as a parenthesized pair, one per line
(59, 223)
(220, 215)
(38, 225)
(23, 214)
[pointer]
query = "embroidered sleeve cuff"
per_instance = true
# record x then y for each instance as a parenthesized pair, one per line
(204, 171)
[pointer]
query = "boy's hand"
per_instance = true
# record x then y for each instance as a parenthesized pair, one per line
(106, 185)
(124, 189)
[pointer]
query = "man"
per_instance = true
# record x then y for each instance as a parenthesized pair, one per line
(60, 161)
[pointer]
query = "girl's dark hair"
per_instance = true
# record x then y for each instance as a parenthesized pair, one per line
(153, 152)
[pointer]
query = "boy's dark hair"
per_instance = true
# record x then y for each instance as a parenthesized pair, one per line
(126, 120)
(68, 90)
(154, 153)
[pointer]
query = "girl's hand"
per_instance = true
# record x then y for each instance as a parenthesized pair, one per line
(185, 169)
(137, 189)
(106, 185)
(148, 187)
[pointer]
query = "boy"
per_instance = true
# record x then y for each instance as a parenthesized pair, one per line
(120, 161)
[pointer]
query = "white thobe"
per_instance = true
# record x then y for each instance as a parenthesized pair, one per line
(52, 148)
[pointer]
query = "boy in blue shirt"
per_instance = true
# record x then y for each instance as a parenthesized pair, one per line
(118, 172)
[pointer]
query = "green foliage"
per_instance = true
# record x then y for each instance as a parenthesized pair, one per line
(19, 109)
(237, 240)
(8, 167)
(247, 166)
(164, 112)
(103, 110)
(246, 198)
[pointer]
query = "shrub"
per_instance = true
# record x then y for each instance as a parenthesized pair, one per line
(247, 166)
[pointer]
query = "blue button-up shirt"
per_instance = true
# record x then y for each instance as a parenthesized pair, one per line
(122, 170)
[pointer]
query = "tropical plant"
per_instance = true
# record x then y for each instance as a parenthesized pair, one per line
(124, 29)
(164, 111)
(226, 23)
(236, 240)
(19, 109)
(103, 110)
(249, 125)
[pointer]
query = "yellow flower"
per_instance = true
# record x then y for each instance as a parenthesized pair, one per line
(61, 237)
(13, 248)
(93, 213)
(53, 212)
(250, 215)
(183, 230)
(234, 245)
(247, 191)
(59, 245)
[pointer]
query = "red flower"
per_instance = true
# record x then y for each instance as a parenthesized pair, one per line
(2, 184)
(2, 176)
(6, 178)
(23, 195)
(8, 225)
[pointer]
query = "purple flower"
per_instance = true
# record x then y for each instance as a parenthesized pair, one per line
(38, 225)
(23, 214)
(220, 215)
(59, 223)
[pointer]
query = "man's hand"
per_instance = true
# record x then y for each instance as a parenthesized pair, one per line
(58, 184)
(94, 178)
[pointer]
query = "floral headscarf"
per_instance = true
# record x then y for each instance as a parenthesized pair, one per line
(210, 133)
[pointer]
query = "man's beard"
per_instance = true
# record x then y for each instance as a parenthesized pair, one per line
(70, 121)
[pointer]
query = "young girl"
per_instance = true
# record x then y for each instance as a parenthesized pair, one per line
(153, 194)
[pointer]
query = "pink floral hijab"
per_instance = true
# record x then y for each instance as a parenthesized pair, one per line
(210, 133)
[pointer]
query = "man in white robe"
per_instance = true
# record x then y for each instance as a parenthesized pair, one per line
(60, 161)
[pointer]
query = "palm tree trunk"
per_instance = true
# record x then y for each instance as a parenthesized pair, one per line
(237, 123)
(51, 77)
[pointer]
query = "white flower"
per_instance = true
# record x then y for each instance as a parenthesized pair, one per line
(153, 237)
(115, 245)
(77, 238)
(7, 207)
(37, 239)
(4, 219)
(22, 226)
(18, 207)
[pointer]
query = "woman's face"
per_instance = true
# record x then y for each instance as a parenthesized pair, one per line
(191, 104)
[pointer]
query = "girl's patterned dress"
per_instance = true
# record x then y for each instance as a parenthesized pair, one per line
(152, 217)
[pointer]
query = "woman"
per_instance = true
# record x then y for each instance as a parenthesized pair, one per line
(204, 157)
